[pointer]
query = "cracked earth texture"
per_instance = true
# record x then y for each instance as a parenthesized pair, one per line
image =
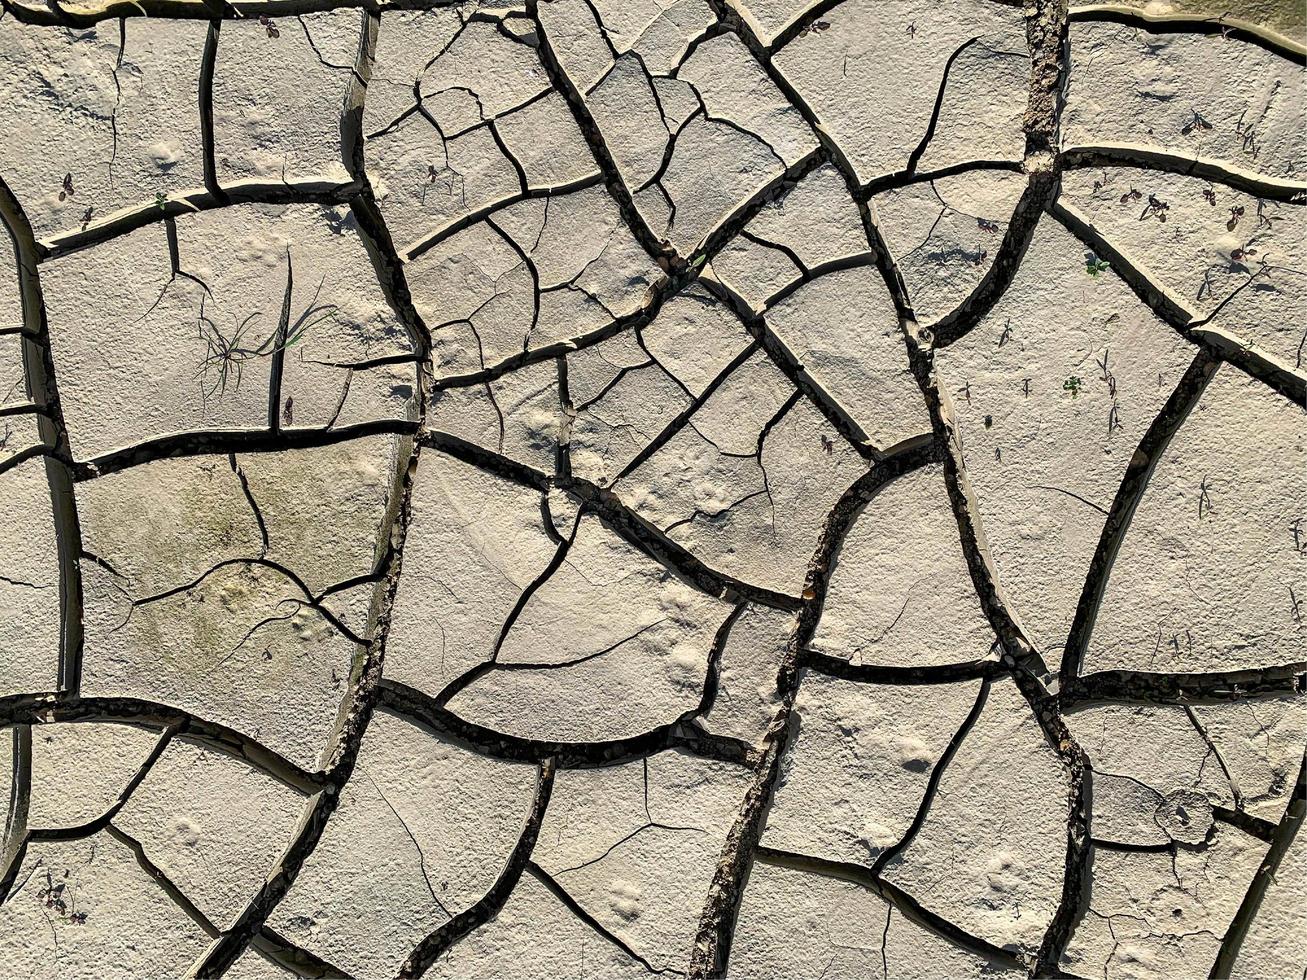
(616, 487)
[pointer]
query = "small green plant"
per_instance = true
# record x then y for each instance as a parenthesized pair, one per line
(1204, 498)
(1073, 385)
(1195, 125)
(1155, 208)
(1094, 265)
(159, 200)
(450, 180)
(227, 351)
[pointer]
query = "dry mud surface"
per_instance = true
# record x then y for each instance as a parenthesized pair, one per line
(603, 488)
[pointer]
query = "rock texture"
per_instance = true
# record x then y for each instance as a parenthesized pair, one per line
(610, 488)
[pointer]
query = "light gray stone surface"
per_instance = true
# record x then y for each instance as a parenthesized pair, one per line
(611, 488)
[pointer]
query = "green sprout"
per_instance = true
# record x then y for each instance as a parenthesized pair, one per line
(1072, 384)
(159, 199)
(1094, 265)
(227, 351)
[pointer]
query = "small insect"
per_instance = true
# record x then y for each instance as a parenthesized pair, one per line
(827, 444)
(287, 415)
(1131, 195)
(1239, 254)
(989, 227)
(989, 421)
(86, 218)
(1210, 195)
(68, 191)
(1236, 213)
(269, 26)
(78, 918)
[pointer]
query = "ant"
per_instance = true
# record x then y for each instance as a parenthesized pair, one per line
(1210, 195)
(68, 191)
(989, 227)
(266, 22)
(1131, 195)
(1236, 213)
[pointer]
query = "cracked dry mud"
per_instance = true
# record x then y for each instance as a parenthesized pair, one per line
(610, 487)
